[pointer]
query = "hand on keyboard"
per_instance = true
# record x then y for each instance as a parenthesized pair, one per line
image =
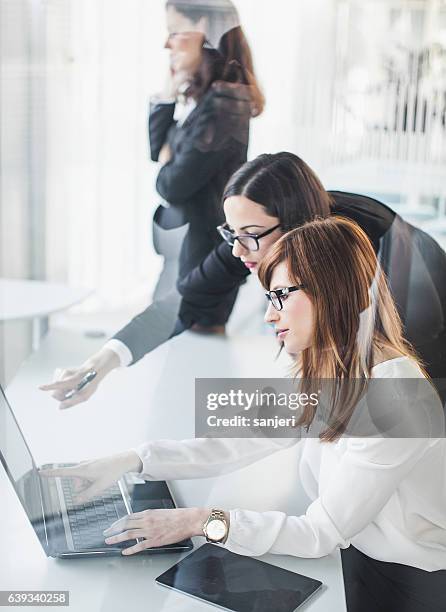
(96, 476)
(156, 528)
(88, 520)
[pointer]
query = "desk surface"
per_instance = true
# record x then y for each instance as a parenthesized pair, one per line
(26, 299)
(141, 395)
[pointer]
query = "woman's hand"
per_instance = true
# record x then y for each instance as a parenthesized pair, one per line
(102, 362)
(165, 154)
(157, 528)
(94, 477)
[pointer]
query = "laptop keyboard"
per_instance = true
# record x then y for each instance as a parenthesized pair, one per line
(89, 520)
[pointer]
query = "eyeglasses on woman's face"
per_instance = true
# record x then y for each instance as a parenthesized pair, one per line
(250, 242)
(277, 296)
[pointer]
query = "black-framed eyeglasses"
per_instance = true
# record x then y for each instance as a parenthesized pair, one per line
(276, 296)
(250, 242)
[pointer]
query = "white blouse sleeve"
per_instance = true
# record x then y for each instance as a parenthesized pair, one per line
(204, 457)
(367, 475)
(121, 350)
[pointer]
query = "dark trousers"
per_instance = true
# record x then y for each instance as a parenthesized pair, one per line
(168, 242)
(376, 586)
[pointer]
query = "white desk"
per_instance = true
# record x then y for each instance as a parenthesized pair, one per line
(155, 397)
(30, 299)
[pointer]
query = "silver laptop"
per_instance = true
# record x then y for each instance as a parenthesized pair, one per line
(65, 529)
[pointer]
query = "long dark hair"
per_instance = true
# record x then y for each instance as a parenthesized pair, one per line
(284, 185)
(231, 60)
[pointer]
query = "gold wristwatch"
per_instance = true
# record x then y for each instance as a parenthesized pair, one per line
(216, 527)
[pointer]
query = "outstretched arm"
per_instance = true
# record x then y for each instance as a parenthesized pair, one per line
(206, 296)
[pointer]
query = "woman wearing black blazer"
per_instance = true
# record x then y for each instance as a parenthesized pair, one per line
(199, 129)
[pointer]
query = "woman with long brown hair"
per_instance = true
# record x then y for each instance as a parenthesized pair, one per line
(383, 494)
(379, 497)
(354, 322)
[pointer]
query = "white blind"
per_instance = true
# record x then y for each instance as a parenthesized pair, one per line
(14, 135)
(105, 58)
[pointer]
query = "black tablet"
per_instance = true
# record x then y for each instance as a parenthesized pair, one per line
(237, 583)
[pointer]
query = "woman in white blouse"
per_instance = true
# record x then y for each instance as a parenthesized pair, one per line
(381, 499)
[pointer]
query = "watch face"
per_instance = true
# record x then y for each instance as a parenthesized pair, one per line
(216, 530)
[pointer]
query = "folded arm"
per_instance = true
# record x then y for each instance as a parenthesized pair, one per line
(160, 121)
(215, 133)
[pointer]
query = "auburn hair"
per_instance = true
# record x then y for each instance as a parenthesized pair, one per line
(354, 312)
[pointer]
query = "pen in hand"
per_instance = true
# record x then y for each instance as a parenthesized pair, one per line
(89, 376)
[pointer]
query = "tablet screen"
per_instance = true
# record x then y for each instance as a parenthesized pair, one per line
(238, 583)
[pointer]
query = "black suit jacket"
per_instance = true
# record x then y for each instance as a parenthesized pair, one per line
(206, 150)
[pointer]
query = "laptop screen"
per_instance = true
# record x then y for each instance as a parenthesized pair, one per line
(20, 467)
